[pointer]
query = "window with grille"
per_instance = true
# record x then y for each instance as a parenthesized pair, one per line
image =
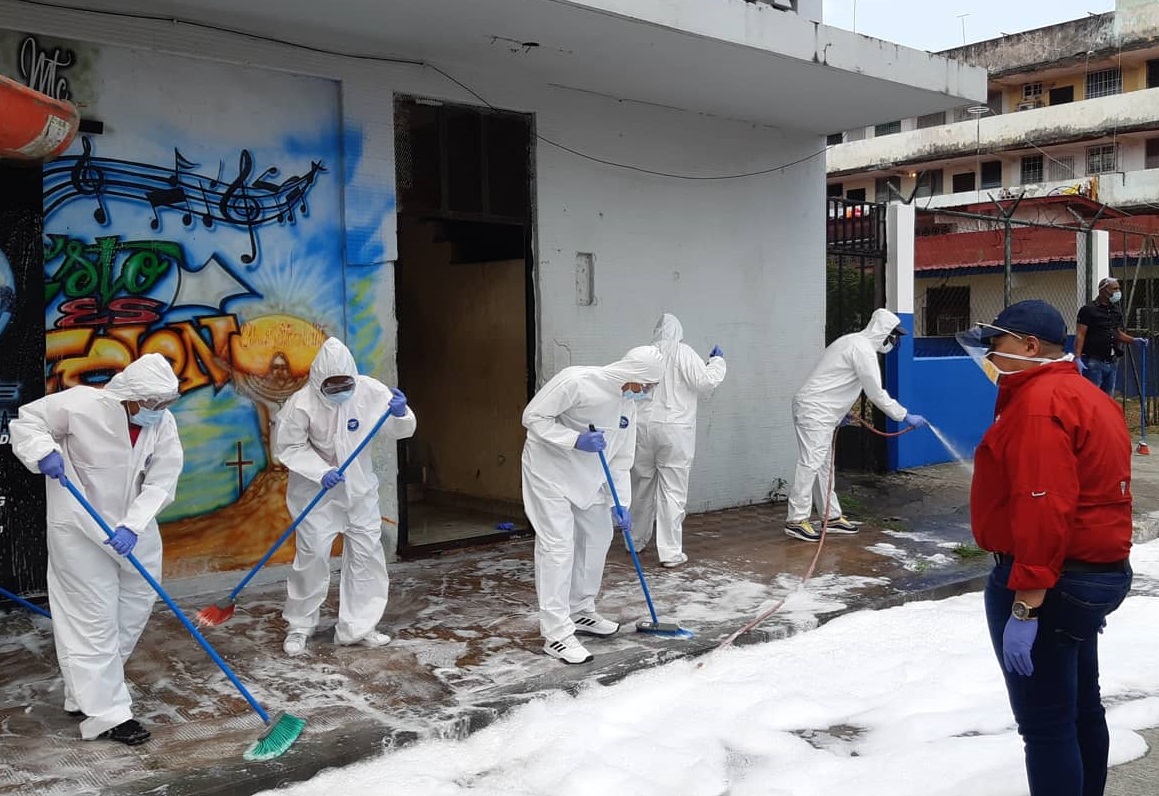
(947, 311)
(856, 195)
(834, 138)
(1102, 159)
(1104, 83)
(835, 189)
(1031, 91)
(1060, 167)
(1031, 171)
(889, 128)
(855, 135)
(931, 120)
(992, 174)
(963, 182)
(881, 189)
(929, 183)
(1151, 154)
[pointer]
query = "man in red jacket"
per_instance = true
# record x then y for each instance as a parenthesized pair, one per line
(1051, 498)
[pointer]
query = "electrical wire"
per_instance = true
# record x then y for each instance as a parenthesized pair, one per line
(428, 65)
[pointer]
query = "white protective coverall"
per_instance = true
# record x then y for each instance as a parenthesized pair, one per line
(565, 492)
(666, 440)
(99, 602)
(847, 367)
(314, 435)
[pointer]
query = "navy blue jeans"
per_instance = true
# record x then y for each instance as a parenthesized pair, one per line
(1102, 374)
(1059, 709)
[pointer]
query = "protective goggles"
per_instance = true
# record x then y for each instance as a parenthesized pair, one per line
(337, 384)
(157, 403)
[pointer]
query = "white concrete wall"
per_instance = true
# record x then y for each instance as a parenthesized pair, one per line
(741, 261)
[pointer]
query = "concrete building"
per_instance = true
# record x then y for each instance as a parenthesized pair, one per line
(1071, 123)
(473, 195)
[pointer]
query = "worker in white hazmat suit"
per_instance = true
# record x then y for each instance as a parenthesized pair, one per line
(847, 367)
(119, 446)
(317, 429)
(565, 492)
(666, 441)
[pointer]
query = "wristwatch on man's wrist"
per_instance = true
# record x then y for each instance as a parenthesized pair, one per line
(1022, 611)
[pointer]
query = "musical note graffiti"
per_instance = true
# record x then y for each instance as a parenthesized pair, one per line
(244, 201)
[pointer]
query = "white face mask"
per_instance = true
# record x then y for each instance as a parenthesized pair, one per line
(643, 395)
(999, 373)
(1116, 297)
(885, 347)
(148, 417)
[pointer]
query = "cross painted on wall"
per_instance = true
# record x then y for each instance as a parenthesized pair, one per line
(240, 464)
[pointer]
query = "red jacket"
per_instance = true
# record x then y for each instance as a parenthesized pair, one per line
(1052, 476)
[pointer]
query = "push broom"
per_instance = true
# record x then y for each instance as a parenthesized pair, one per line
(220, 612)
(283, 729)
(36, 609)
(655, 627)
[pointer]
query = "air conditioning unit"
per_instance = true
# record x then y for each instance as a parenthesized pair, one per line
(1027, 105)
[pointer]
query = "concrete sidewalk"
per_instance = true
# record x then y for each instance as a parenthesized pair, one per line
(467, 646)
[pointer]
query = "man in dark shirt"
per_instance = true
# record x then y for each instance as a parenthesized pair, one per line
(1097, 337)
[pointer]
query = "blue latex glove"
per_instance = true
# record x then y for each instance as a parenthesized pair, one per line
(917, 421)
(332, 479)
(715, 352)
(1142, 342)
(123, 540)
(52, 465)
(397, 403)
(623, 518)
(591, 441)
(1082, 366)
(1017, 641)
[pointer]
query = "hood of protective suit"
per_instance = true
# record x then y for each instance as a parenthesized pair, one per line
(642, 364)
(668, 333)
(333, 359)
(881, 323)
(151, 376)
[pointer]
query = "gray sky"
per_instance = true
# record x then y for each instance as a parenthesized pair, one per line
(935, 24)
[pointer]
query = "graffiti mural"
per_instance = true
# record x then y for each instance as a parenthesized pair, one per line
(204, 224)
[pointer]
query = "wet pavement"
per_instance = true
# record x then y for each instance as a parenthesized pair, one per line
(466, 645)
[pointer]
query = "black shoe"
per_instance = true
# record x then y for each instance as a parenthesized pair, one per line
(77, 714)
(130, 733)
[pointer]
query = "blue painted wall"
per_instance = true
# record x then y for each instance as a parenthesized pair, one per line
(950, 391)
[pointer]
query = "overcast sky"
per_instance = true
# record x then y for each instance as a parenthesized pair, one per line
(936, 25)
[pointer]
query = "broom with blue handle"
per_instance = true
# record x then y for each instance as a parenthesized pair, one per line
(36, 609)
(655, 627)
(283, 729)
(220, 612)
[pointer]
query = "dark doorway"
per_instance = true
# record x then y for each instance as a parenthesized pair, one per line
(1061, 95)
(855, 274)
(464, 302)
(23, 549)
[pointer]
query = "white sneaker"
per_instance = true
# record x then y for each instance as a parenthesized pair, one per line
(295, 644)
(375, 639)
(680, 560)
(569, 650)
(592, 624)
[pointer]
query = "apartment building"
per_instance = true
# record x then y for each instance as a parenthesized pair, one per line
(1071, 124)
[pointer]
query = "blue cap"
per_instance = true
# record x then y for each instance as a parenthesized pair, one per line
(1033, 318)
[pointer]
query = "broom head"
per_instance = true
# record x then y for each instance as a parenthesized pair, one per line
(282, 732)
(216, 614)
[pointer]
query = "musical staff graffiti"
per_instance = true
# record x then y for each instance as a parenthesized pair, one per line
(241, 202)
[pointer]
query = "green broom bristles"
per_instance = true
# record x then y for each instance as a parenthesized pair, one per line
(283, 731)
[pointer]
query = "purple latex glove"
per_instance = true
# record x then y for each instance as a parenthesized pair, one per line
(332, 479)
(123, 540)
(397, 403)
(1082, 366)
(1017, 642)
(591, 441)
(52, 465)
(623, 518)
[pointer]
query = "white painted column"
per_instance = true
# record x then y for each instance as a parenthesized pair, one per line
(899, 263)
(1098, 264)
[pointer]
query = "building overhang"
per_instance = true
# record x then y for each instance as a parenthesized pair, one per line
(726, 58)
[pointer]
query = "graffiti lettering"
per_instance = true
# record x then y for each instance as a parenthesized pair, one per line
(79, 355)
(90, 270)
(39, 68)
